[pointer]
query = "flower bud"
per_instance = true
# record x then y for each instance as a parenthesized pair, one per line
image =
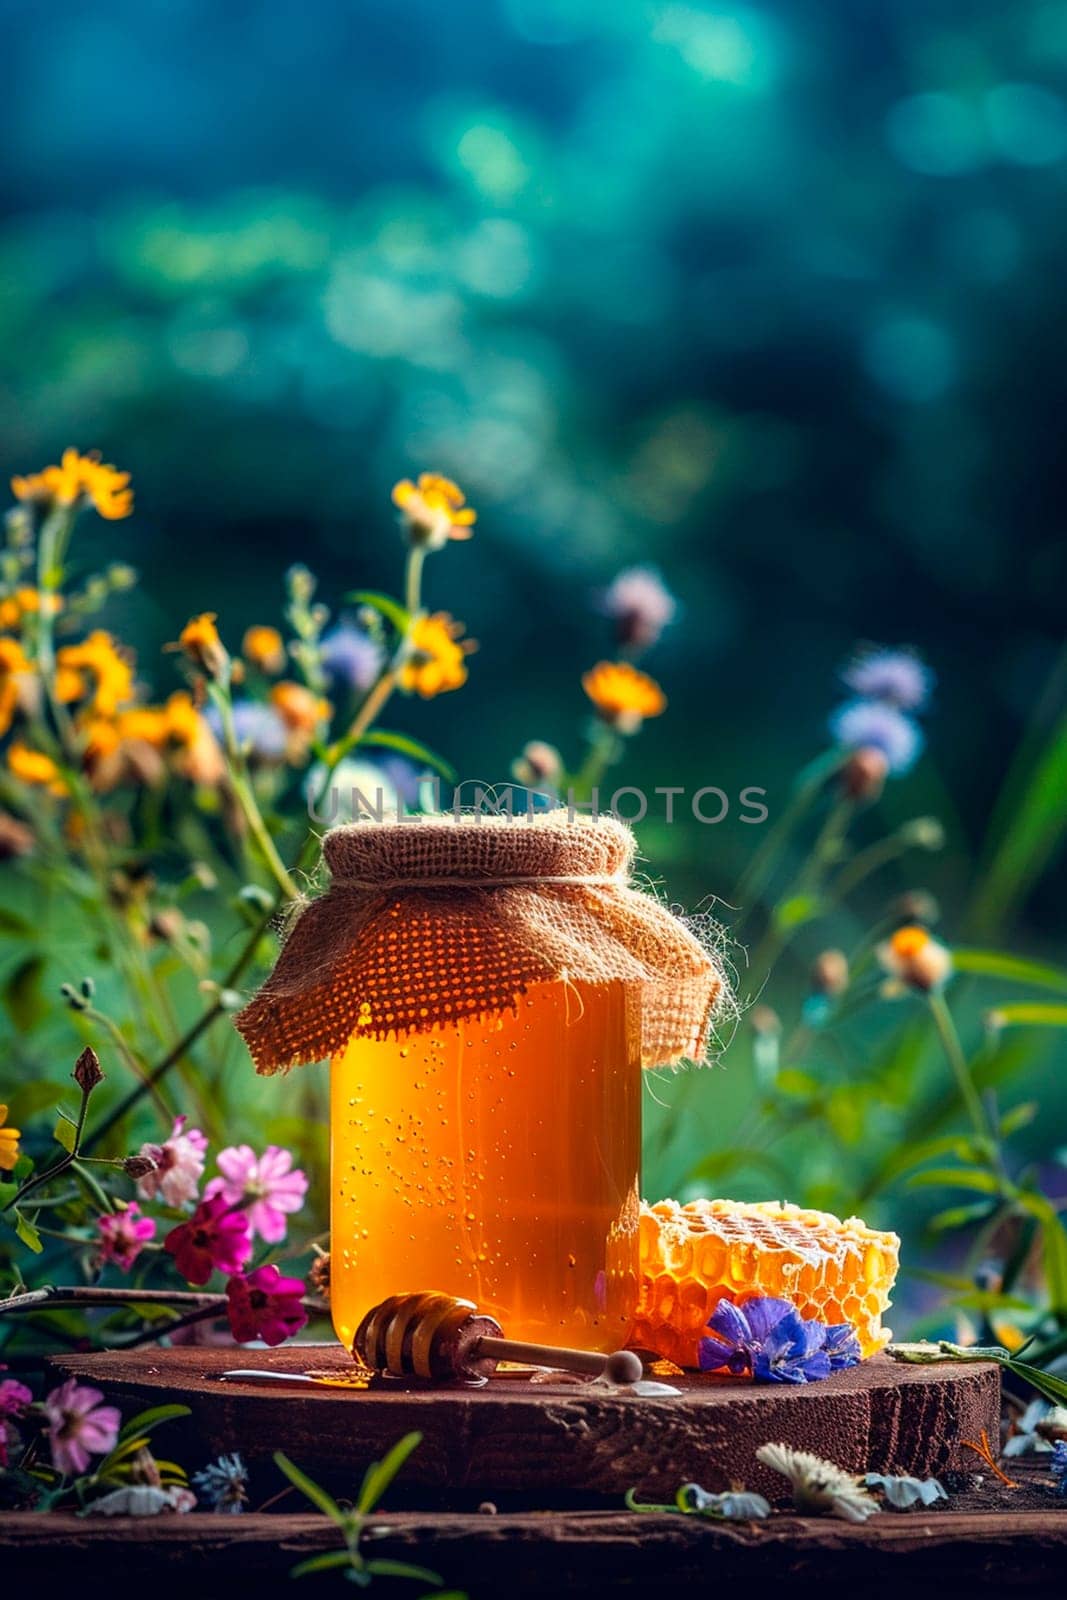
(15, 838)
(914, 958)
(864, 773)
(137, 1167)
(829, 974)
(916, 905)
(540, 763)
(925, 833)
(765, 1020)
(87, 1073)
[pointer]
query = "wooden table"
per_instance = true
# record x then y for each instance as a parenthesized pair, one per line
(549, 1465)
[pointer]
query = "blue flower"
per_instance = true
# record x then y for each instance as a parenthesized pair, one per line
(770, 1339)
(867, 724)
(258, 729)
(1058, 1465)
(842, 1346)
(350, 657)
(897, 677)
(224, 1484)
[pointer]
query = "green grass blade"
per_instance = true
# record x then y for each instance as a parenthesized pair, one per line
(307, 1486)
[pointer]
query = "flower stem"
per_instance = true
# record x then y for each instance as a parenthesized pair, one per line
(953, 1049)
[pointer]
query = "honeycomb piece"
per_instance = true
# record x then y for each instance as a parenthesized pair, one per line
(695, 1255)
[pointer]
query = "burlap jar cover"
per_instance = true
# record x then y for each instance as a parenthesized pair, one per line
(436, 919)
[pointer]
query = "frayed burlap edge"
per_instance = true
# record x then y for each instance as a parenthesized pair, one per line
(440, 920)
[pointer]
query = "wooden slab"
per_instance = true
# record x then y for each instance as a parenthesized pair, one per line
(924, 1556)
(554, 1444)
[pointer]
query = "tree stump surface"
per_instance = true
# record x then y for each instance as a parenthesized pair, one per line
(553, 1444)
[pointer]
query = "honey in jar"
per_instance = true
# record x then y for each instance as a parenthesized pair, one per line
(488, 991)
(497, 1160)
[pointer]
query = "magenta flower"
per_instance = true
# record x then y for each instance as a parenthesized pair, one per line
(14, 1397)
(264, 1305)
(79, 1426)
(179, 1166)
(123, 1235)
(266, 1186)
(214, 1236)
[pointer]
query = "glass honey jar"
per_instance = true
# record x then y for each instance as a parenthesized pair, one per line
(488, 991)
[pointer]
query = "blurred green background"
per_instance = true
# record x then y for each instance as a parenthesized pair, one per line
(769, 296)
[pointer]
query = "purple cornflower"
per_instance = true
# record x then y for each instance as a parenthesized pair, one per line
(350, 657)
(898, 678)
(1058, 1465)
(770, 1339)
(873, 724)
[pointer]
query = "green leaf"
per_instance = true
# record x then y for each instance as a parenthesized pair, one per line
(797, 910)
(1034, 817)
(960, 1217)
(28, 1233)
(11, 923)
(23, 998)
(1037, 1016)
(400, 1569)
(383, 739)
(380, 1474)
(145, 1421)
(328, 1562)
(65, 1133)
(307, 1486)
(1019, 1116)
(1046, 1383)
(35, 1097)
(384, 604)
(996, 964)
(1054, 1242)
(956, 1178)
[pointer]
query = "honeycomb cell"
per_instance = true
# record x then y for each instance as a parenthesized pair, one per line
(830, 1269)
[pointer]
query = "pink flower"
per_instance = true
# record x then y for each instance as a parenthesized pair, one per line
(79, 1426)
(267, 1187)
(264, 1305)
(123, 1235)
(213, 1237)
(179, 1165)
(640, 605)
(14, 1397)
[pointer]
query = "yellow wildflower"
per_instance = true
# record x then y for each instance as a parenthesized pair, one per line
(437, 661)
(201, 643)
(264, 648)
(34, 767)
(77, 481)
(434, 510)
(623, 696)
(915, 958)
(13, 665)
(9, 1143)
(111, 670)
(27, 602)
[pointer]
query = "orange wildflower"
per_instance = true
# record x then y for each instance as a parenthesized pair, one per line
(199, 756)
(14, 664)
(27, 602)
(437, 662)
(622, 695)
(434, 510)
(35, 768)
(9, 1143)
(201, 643)
(264, 648)
(78, 481)
(299, 708)
(110, 669)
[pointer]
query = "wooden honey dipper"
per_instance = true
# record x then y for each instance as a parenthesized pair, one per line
(438, 1336)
